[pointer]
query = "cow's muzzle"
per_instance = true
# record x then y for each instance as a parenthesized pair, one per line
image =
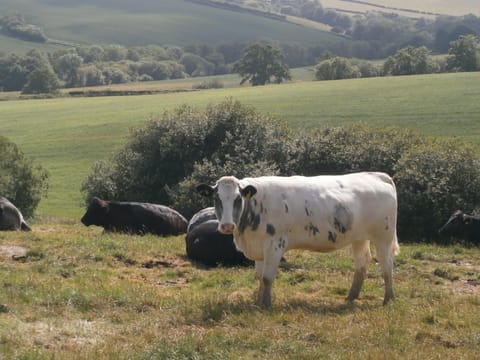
(227, 229)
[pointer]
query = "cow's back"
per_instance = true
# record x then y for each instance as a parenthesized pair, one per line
(10, 216)
(157, 219)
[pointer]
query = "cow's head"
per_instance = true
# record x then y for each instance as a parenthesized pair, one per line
(229, 200)
(96, 212)
(455, 224)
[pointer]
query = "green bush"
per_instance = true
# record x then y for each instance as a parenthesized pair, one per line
(188, 144)
(351, 148)
(165, 159)
(22, 182)
(434, 179)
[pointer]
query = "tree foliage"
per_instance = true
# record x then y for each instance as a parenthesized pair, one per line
(181, 145)
(410, 61)
(165, 159)
(21, 181)
(336, 68)
(464, 54)
(260, 63)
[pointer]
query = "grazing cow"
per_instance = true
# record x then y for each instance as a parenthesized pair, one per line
(270, 215)
(462, 226)
(209, 246)
(10, 217)
(200, 217)
(134, 217)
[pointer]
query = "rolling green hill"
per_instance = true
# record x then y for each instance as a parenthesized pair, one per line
(163, 22)
(67, 135)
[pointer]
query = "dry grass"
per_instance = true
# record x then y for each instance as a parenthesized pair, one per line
(78, 294)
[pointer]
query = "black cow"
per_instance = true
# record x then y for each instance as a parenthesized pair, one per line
(207, 245)
(10, 217)
(462, 226)
(134, 217)
(201, 217)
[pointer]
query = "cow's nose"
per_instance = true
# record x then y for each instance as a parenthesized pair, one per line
(227, 228)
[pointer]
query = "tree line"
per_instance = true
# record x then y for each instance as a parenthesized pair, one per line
(96, 65)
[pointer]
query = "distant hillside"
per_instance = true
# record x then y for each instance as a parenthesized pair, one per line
(411, 8)
(142, 22)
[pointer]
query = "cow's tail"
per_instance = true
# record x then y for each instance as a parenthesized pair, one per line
(395, 246)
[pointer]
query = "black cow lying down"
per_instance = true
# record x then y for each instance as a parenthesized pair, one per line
(462, 226)
(208, 246)
(134, 217)
(10, 217)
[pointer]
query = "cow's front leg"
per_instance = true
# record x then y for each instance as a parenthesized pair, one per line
(266, 272)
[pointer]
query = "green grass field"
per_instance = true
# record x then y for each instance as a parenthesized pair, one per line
(165, 22)
(77, 294)
(67, 135)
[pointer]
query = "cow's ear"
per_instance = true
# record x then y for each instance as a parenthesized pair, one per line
(99, 202)
(248, 191)
(205, 190)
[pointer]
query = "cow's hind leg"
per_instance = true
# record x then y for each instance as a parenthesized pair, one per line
(385, 253)
(361, 257)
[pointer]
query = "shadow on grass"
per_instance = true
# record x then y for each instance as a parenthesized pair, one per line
(216, 310)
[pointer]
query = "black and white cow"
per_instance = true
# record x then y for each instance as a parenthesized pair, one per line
(134, 217)
(462, 226)
(270, 215)
(10, 217)
(205, 244)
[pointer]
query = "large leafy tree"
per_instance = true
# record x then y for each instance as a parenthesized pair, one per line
(260, 63)
(463, 54)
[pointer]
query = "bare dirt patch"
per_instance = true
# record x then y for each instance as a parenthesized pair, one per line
(12, 251)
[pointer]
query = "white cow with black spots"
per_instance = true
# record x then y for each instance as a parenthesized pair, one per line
(270, 215)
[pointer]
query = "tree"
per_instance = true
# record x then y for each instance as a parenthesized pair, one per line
(335, 69)
(41, 81)
(260, 63)
(409, 61)
(463, 54)
(67, 66)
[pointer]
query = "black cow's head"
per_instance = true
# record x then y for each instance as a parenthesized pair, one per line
(229, 200)
(96, 213)
(456, 224)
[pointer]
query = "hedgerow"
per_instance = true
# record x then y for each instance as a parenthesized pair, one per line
(165, 159)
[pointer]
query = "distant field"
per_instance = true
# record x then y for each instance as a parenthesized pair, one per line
(66, 135)
(163, 22)
(444, 7)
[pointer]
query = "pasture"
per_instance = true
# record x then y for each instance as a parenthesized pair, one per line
(67, 135)
(71, 292)
(74, 293)
(158, 22)
(415, 9)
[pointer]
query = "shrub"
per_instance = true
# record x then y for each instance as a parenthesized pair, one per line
(189, 144)
(336, 68)
(166, 158)
(350, 148)
(210, 84)
(434, 179)
(22, 182)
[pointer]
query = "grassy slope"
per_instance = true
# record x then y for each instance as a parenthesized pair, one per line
(67, 135)
(444, 7)
(80, 295)
(157, 22)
